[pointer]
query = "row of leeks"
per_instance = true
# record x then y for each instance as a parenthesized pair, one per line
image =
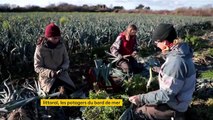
(16, 96)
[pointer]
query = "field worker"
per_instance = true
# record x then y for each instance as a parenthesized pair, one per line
(125, 47)
(51, 61)
(176, 79)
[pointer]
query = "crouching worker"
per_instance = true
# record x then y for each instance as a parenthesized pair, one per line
(125, 47)
(176, 78)
(51, 62)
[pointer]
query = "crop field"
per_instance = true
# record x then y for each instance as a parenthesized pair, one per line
(88, 29)
(80, 31)
(91, 34)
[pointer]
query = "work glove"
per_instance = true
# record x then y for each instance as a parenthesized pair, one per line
(119, 56)
(156, 69)
(59, 72)
(54, 74)
(136, 100)
(134, 54)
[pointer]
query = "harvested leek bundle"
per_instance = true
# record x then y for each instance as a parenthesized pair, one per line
(150, 79)
(20, 103)
(102, 70)
(149, 63)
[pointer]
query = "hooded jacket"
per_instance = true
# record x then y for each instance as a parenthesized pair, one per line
(47, 60)
(177, 79)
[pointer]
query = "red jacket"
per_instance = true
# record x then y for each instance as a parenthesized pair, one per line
(127, 47)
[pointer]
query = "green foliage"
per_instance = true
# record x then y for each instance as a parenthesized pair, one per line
(209, 102)
(196, 29)
(147, 51)
(94, 33)
(133, 86)
(102, 94)
(82, 32)
(63, 20)
(99, 52)
(195, 42)
(102, 113)
(137, 85)
(207, 74)
(6, 25)
(210, 52)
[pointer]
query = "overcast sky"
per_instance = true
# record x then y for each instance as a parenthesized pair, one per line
(127, 4)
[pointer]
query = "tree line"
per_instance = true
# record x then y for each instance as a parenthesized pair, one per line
(65, 7)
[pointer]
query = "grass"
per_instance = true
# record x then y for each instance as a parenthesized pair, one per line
(207, 74)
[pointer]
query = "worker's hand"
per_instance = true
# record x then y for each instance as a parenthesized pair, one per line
(135, 100)
(59, 72)
(53, 74)
(156, 69)
(134, 54)
(119, 56)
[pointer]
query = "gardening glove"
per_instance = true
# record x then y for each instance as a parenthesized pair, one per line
(134, 54)
(135, 100)
(59, 72)
(124, 66)
(119, 56)
(156, 69)
(52, 74)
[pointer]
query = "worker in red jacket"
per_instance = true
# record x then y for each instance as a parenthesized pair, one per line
(125, 47)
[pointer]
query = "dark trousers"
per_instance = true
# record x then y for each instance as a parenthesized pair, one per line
(62, 113)
(133, 65)
(157, 112)
(58, 83)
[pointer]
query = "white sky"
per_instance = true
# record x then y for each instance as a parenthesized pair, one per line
(127, 4)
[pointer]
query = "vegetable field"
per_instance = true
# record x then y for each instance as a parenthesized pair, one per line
(87, 35)
(81, 32)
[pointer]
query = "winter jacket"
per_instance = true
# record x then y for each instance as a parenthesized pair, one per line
(47, 60)
(122, 46)
(177, 79)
